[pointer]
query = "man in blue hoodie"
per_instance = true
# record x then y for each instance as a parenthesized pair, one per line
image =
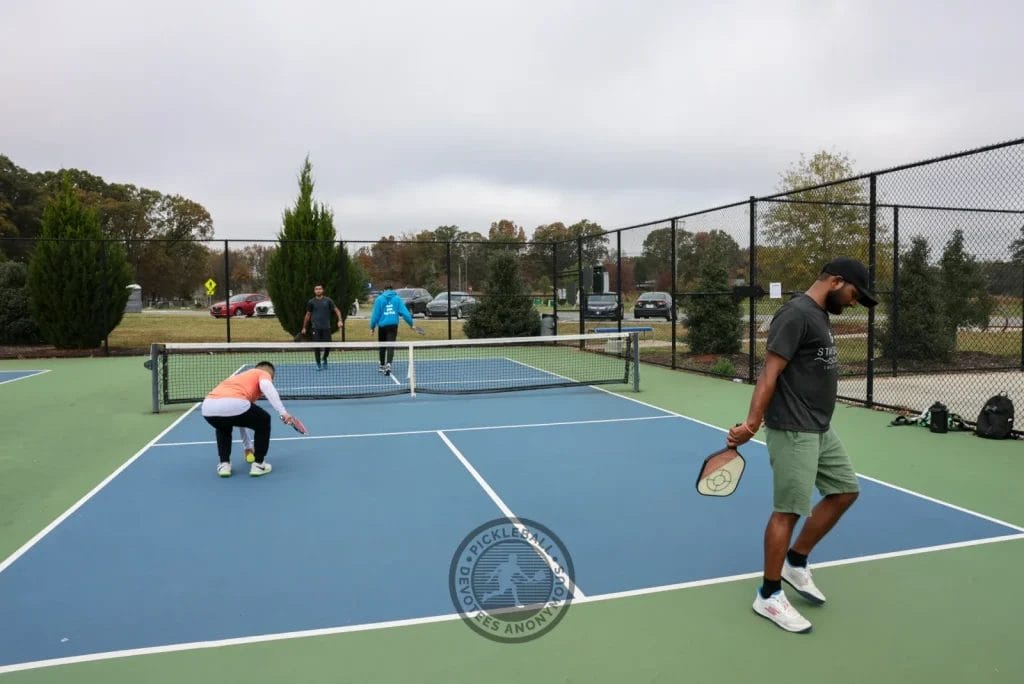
(387, 309)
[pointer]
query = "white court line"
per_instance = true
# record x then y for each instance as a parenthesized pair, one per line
(31, 374)
(942, 503)
(898, 488)
(507, 512)
(503, 382)
(816, 566)
(238, 641)
(448, 617)
(64, 516)
(665, 414)
(759, 441)
(327, 631)
(434, 430)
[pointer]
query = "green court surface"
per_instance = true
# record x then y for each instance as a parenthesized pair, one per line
(951, 615)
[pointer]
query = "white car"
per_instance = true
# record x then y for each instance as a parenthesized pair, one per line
(266, 309)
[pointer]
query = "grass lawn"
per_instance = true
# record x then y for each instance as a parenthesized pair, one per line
(139, 330)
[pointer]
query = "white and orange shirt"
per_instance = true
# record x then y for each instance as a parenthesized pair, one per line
(234, 395)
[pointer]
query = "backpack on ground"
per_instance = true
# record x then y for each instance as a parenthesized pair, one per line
(996, 418)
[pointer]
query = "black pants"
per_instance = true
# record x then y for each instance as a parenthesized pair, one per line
(321, 335)
(256, 419)
(387, 333)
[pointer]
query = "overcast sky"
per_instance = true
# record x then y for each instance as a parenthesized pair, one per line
(418, 114)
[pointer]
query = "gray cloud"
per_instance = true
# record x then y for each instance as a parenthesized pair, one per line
(420, 114)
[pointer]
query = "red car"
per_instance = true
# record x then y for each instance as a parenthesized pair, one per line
(240, 305)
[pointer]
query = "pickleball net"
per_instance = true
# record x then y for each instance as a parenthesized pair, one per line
(186, 372)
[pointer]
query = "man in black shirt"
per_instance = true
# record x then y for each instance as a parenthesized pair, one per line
(318, 311)
(795, 395)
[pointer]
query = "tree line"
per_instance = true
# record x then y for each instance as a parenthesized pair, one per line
(164, 240)
(158, 232)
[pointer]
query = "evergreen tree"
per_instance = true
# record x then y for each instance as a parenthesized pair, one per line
(714, 321)
(77, 282)
(16, 324)
(1017, 248)
(309, 254)
(920, 331)
(965, 295)
(506, 309)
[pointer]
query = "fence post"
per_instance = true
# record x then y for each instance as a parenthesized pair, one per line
(343, 286)
(579, 285)
(227, 289)
(872, 234)
(554, 283)
(752, 302)
(894, 313)
(449, 269)
(618, 275)
(106, 295)
(673, 294)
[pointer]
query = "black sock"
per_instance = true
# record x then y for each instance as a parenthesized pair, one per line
(770, 587)
(797, 560)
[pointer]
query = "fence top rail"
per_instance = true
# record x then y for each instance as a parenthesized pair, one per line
(781, 196)
(894, 169)
(884, 205)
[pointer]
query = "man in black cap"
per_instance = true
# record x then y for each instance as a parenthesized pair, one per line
(795, 396)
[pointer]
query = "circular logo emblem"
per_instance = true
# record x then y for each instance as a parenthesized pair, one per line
(719, 480)
(511, 580)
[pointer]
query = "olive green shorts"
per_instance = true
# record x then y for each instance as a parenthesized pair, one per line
(804, 460)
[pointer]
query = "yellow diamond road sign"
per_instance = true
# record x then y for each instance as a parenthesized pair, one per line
(211, 286)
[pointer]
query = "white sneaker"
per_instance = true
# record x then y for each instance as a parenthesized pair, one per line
(258, 469)
(380, 368)
(387, 369)
(224, 469)
(777, 609)
(800, 580)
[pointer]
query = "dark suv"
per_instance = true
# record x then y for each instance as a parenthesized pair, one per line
(415, 298)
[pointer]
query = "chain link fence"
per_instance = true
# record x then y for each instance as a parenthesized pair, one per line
(943, 240)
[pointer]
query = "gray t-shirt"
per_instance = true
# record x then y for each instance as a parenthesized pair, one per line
(805, 394)
(320, 312)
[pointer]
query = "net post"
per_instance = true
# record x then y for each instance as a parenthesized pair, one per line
(154, 356)
(411, 374)
(635, 340)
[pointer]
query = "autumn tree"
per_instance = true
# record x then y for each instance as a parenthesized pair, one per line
(805, 230)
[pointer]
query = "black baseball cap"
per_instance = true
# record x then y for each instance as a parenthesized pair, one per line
(855, 273)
